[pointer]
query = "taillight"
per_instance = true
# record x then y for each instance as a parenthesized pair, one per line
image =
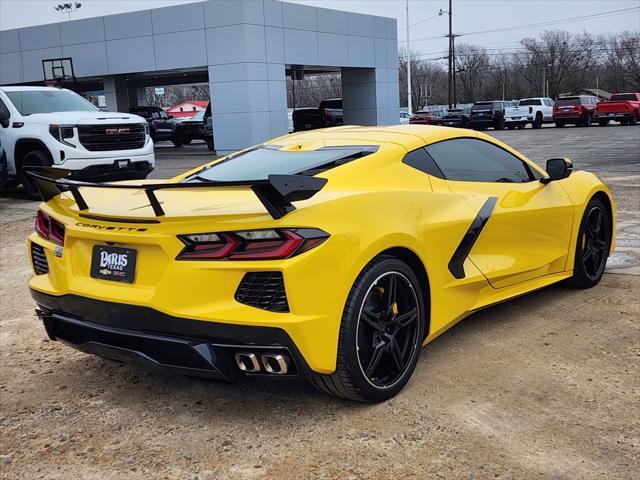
(49, 228)
(268, 244)
(530, 109)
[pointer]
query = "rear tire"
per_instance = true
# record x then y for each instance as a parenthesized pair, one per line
(603, 123)
(178, 138)
(592, 246)
(381, 334)
(559, 124)
(34, 158)
(634, 119)
(537, 123)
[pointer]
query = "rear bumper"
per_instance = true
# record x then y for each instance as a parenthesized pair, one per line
(569, 118)
(481, 122)
(143, 335)
(613, 116)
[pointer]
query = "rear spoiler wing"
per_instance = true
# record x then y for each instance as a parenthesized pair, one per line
(276, 192)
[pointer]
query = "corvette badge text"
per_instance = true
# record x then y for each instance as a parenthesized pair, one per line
(110, 227)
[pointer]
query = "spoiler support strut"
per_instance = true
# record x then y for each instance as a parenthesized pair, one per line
(276, 192)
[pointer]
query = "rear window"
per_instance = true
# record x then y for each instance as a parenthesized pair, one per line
(623, 96)
(529, 101)
(568, 101)
(482, 106)
(331, 104)
(259, 163)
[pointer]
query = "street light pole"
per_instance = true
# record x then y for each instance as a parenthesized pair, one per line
(409, 106)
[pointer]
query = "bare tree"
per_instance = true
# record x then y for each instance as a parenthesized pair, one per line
(472, 66)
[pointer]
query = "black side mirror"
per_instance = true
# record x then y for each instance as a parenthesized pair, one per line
(557, 169)
(4, 119)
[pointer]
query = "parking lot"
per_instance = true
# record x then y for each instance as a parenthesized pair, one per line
(545, 386)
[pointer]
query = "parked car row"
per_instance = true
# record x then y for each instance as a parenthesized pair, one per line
(579, 110)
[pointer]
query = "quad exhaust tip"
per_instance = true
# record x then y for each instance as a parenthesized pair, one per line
(247, 362)
(275, 363)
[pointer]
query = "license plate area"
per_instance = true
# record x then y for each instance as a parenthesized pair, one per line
(122, 164)
(113, 263)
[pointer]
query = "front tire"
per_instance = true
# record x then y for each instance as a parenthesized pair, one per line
(593, 245)
(34, 158)
(381, 333)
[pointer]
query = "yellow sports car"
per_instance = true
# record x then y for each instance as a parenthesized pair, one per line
(333, 254)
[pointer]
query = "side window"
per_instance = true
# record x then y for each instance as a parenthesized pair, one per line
(421, 160)
(155, 115)
(4, 110)
(472, 160)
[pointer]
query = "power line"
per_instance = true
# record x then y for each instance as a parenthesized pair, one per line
(421, 21)
(515, 51)
(540, 24)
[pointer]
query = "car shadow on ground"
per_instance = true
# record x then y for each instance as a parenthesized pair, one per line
(131, 386)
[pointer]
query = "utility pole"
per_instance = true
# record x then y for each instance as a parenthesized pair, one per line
(409, 106)
(451, 67)
(451, 77)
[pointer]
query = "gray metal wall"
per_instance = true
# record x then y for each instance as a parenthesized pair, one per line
(245, 44)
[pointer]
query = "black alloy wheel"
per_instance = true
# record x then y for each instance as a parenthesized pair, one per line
(381, 333)
(594, 241)
(387, 330)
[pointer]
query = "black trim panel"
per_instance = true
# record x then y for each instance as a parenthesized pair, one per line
(138, 320)
(456, 264)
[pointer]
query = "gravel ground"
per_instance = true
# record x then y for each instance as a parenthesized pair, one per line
(545, 386)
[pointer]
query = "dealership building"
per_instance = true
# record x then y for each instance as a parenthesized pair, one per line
(244, 50)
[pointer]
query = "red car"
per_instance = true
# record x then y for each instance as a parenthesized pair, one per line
(621, 107)
(433, 117)
(578, 110)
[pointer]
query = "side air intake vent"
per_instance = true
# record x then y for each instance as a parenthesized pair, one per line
(39, 259)
(263, 290)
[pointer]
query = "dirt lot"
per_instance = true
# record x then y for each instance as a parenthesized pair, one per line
(545, 386)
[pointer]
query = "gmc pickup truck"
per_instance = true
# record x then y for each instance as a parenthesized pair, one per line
(55, 127)
(621, 107)
(535, 111)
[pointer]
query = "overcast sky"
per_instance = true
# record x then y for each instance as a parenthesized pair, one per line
(469, 16)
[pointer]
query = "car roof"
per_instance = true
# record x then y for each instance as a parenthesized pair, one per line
(30, 88)
(409, 137)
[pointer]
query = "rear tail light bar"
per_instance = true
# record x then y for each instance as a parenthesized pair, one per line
(49, 228)
(267, 244)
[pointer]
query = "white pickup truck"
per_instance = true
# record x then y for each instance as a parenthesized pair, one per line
(46, 126)
(535, 111)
